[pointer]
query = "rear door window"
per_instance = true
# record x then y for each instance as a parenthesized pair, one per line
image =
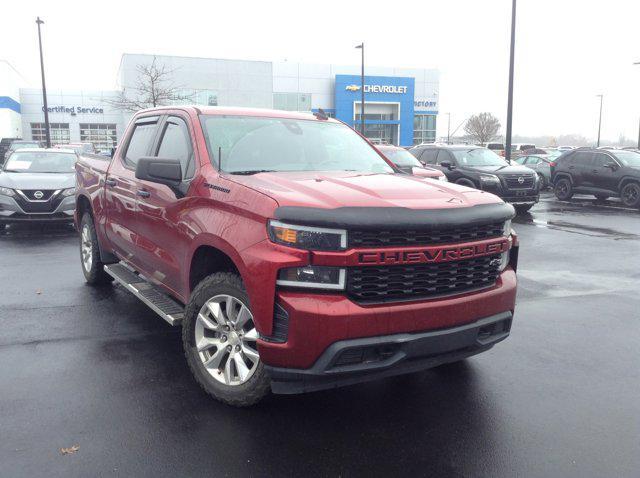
(176, 144)
(429, 155)
(141, 141)
(581, 158)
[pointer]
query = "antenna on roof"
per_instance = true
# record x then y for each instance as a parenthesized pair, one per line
(321, 115)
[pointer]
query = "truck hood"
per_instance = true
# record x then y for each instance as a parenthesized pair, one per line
(337, 189)
(37, 180)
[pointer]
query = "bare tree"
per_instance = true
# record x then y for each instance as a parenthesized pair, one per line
(153, 88)
(482, 127)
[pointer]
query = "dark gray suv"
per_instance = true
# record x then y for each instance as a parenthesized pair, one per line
(481, 168)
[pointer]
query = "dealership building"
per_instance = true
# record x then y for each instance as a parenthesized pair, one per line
(401, 105)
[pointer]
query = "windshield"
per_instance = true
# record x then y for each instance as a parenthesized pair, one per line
(40, 162)
(16, 146)
(246, 144)
(401, 157)
(478, 157)
(628, 158)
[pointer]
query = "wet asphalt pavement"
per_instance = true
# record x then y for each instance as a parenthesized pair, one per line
(560, 397)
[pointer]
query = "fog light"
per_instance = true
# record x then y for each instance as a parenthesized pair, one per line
(317, 277)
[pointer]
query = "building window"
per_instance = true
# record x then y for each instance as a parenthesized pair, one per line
(375, 116)
(195, 97)
(102, 135)
(424, 129)
(59, 132)
(292, 101)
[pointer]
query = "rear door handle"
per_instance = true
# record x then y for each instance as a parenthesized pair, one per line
(110, 182)
(143, 194)
(594, 171)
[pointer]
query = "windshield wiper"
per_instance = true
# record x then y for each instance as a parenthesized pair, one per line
(12, 171)
(252, 171)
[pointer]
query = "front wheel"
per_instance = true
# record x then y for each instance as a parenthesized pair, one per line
(563, 189)
(630, 195)
(220, 342)
(543, 182)
(92, 267)
(522, 208)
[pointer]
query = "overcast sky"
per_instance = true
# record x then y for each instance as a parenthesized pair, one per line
(567, 51)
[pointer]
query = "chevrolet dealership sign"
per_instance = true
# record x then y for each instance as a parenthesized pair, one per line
(394, 89)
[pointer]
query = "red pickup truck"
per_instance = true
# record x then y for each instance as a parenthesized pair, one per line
(292, 253)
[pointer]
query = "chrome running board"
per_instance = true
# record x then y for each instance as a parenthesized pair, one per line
(152, 296)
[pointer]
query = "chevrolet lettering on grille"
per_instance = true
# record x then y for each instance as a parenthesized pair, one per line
(428, 255)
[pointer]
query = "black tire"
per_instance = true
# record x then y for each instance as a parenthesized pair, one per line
(522, 208)
(241, 395)
(601, 197)
(563, 189)
(543, 182)
(630, 195)
(93, 271)
(466, 182)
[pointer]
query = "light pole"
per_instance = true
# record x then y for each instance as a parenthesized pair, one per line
(638, 63)
(507, 153)
(599, 120)
(448, 128)
(44, 89)
(361, 46)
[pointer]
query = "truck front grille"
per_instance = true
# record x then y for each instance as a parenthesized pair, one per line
(421, 281)
(513, 181)
(385, 238)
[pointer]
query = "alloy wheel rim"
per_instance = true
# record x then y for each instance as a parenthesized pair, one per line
(226, 340)
(86, 248)
(631, 194)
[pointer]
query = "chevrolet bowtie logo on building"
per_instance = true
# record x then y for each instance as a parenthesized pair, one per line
(394, 89)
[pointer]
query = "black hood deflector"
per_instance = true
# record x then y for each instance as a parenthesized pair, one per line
(395, 218)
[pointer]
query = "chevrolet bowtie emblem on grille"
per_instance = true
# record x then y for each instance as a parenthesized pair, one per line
(520, 180)
(38, 195)
(352, 87)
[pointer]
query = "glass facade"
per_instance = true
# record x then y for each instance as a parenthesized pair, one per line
(102, 135)
(424, 128)
(60, 133)
(380, 133)
(292, 101)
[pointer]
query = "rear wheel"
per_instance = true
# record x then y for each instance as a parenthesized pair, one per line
(630, 195)
(92, 267)
(220, 342)
(563, 189)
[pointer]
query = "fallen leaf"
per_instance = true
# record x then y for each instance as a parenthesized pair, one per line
(69, 451)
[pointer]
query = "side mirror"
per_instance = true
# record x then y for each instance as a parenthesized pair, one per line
(447, 164)
(424, 163)
(161, 171)
(612, 165)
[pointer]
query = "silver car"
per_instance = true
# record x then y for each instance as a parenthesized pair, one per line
(38, 185)
(541, 164)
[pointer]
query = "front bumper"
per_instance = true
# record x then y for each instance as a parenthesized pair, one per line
(359, 360)
(10, 211)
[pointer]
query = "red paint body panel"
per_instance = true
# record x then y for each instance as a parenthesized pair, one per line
(160, 235)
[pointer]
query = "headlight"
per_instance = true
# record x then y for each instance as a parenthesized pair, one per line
(507, 228)
(317, 277)
(69, 192)
(489, 178)
(7, 192)
(305, 237)
(443, 178)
